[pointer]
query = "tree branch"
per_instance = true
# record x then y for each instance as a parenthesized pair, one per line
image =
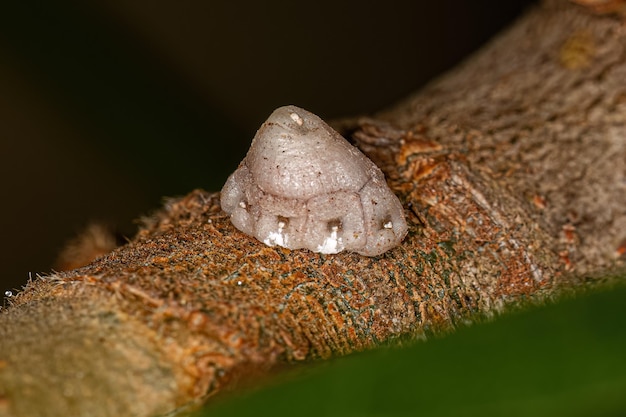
(512, 172)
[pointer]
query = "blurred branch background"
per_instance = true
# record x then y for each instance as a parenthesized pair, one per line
(109, 105)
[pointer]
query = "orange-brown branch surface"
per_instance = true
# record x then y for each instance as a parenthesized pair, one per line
(512, 174)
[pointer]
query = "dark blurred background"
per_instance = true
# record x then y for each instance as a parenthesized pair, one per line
(107, 106)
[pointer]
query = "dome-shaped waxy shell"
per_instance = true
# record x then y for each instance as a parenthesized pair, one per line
(302, 185)
(302, 160)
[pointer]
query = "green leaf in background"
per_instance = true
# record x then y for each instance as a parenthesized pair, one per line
(567, 359)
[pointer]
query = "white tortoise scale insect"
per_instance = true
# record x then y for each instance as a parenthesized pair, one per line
(302, 185)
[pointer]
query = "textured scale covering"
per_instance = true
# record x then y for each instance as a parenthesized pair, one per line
(302, 185)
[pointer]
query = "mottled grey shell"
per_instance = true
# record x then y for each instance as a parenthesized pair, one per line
(302, 185)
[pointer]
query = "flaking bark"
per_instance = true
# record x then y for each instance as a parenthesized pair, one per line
(512, 172)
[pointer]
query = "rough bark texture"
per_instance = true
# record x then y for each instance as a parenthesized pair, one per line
(512, 171)
(542, 112)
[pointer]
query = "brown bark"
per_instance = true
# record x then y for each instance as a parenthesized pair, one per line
(512, 171)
